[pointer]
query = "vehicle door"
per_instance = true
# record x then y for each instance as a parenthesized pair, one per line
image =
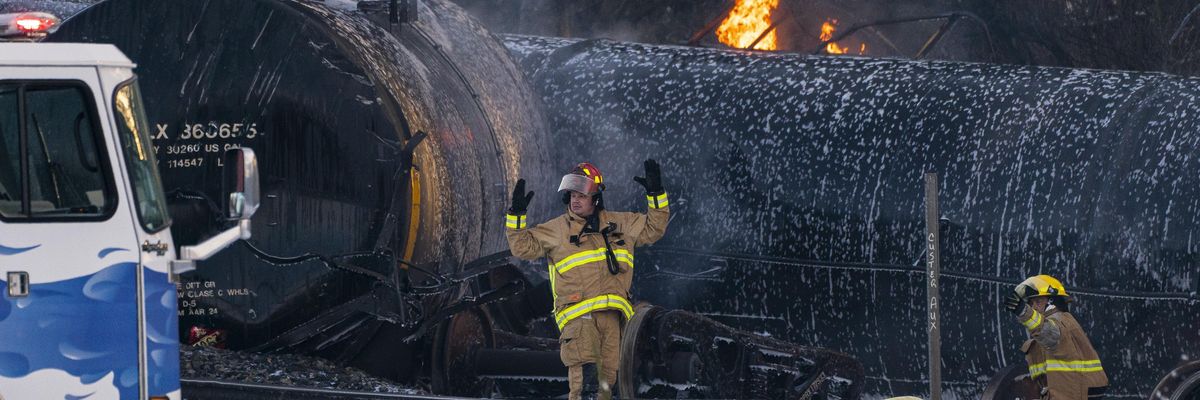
(69, 252)
(160, 322)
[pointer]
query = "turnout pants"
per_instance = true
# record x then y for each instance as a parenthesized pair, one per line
(589, 345)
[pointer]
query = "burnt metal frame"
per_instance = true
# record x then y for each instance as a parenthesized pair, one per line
(951, 19)
(716, 21)
(711, 26)
(767, 31)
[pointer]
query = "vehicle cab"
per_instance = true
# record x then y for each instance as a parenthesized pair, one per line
(89, 309)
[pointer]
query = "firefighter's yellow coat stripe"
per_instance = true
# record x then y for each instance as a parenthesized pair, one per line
(1039, 369)
(589, 256)
(514, 221)
(602, 302)
(1034, 321)
(659, 201)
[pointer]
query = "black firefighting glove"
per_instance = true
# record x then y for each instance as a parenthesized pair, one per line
(520, 199)
(1013, 303)
(653, 180)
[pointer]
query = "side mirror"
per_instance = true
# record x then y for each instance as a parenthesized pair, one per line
(240, 181)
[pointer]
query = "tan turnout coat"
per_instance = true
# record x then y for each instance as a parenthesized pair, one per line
(1061, 358)
(579, 275)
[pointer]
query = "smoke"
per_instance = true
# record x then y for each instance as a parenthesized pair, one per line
(1126, 35)
(651, 21)
(674, 22)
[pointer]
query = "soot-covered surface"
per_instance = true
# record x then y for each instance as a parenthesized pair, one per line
(796, 193)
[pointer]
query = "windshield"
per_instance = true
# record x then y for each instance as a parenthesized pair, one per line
(139, 155)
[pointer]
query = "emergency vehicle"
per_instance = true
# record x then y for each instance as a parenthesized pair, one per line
(85, 247)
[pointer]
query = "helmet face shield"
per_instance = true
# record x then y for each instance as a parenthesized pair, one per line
(578, 183)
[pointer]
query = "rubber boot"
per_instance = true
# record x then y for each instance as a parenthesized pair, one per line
(606, 392)
(591, 381)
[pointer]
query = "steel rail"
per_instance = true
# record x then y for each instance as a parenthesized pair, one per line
(202, 389)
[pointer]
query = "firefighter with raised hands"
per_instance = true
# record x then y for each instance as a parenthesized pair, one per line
(1061, 358)
(590, 254)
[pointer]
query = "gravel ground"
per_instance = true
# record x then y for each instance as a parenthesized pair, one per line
(281, 369)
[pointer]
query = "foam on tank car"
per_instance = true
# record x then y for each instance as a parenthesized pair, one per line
(335, 99)
(797, 199)
(387, 149)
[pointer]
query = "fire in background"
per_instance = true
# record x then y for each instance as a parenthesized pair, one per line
(827, 30)
(746, 22)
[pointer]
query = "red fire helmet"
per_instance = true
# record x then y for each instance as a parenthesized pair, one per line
(584, 178)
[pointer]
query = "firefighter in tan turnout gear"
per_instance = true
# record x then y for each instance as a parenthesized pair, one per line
(590, 253)
(1061, 358)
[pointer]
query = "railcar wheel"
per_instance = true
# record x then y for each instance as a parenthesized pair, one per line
(1182, 383)
(627, 382)
(454, 346)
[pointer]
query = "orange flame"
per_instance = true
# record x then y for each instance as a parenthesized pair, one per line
(827, 30)
(746, 22)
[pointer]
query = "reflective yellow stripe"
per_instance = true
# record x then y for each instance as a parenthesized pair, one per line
(607, 301)
(578, 259)
(1034, 321)
(659, 201)
(514, 221)
(553, 291)
(1040, 369)
(623, 256)
(584, 257)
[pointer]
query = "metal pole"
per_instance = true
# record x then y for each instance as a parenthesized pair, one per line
(843, 34)
(933, 265)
